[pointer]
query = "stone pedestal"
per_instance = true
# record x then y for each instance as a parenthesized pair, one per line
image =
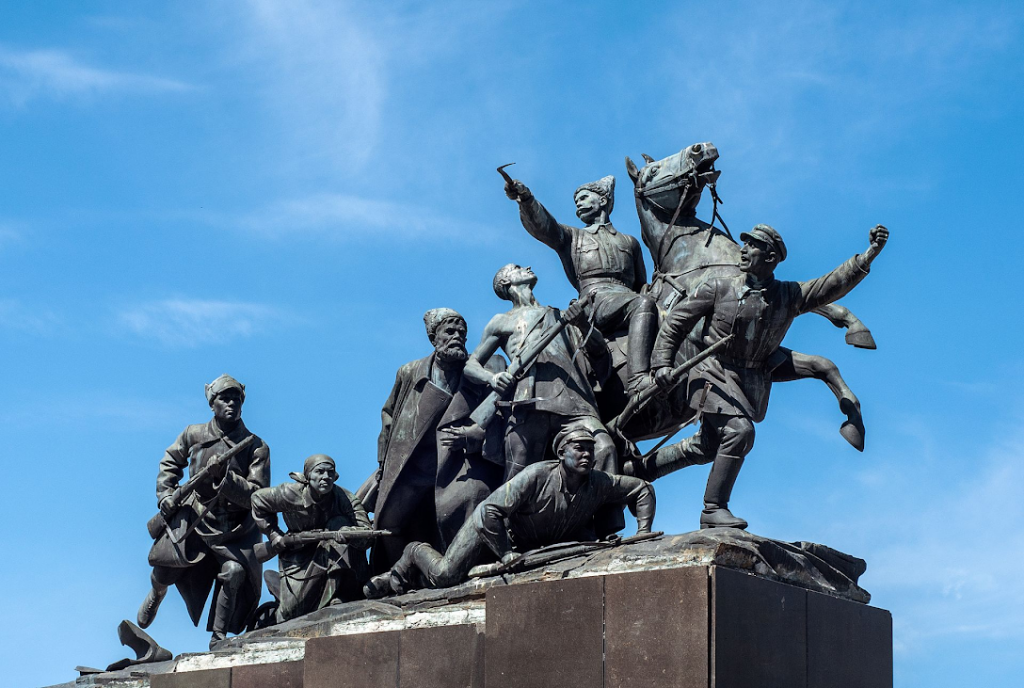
(632, 619)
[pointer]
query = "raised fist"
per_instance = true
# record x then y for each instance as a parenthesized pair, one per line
(878, 236)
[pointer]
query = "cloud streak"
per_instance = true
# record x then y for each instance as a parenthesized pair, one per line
(350, 218)
(27, 75)
(191, 323)
(319, 71)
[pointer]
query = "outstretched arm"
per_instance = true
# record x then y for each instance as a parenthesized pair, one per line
(838, 283)
(535, 217)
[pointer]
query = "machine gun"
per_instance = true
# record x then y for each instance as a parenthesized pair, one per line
(158, 524)
(265, 551)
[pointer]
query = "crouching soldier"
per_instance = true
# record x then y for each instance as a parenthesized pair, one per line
(314, 571)
(548, 502)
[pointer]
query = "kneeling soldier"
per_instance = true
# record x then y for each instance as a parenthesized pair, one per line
(548, 502)
(313, 574)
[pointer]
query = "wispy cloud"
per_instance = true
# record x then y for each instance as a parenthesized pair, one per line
(342, 216)
(956, 554)
(318, 68)
(19, 316)
(27, 75)
(192, 322)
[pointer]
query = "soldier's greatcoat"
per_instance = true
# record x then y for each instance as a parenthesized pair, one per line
(412, 459)
(215, 522)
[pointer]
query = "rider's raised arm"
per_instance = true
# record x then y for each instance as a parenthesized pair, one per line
(680, 321)
(540, 223)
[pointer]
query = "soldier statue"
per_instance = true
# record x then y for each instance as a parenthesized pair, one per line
(317, 573)
(548, 502)
(558, 387)
(730, 390)
(206, 539)
(428, 488)
(602, 262)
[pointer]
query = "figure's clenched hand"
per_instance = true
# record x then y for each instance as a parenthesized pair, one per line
(878, 236)
(517, 191)
(501, 382)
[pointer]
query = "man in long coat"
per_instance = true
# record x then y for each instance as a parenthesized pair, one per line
(426, 488)
(208, 542)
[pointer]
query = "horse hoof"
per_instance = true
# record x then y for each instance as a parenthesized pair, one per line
(854, 434)
(852, 429)
(860, 338)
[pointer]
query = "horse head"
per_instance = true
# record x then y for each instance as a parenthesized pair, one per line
(676, 182)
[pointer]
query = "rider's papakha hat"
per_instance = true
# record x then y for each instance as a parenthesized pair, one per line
(604, 186)
(767, 234)
(571, 432)
(222, 384)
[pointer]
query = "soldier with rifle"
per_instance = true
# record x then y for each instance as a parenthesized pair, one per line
(548, 502)
(205, 534)
(556, 386)
(322, 558)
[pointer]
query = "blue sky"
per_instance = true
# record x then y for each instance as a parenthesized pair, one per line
(280, 190)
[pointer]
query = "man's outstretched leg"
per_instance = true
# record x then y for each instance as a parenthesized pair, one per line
(161, 578)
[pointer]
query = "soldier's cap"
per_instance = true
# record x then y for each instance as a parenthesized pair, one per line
(767, 234)
(222, 384)
(570, 432)
(435, 316)
(311, 463)
(604, 186)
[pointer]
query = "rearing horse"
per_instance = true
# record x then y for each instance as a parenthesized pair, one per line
(687, 251)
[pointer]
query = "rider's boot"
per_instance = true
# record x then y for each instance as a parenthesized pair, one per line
(716, 512)
(643, 330)
(150, 605)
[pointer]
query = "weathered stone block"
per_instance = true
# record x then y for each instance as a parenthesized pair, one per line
(546, 634)
(656, 629)
(758, 632)
(442, 657)
(277, 675)
(366, 660)
(209, 678)
(849, 645)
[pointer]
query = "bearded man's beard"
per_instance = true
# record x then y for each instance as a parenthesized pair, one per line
(453, 353)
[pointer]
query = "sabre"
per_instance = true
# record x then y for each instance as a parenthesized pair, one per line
(508, 180)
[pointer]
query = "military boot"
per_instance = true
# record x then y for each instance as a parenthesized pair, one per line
(150, 605)
(716, 512)
(693, 451)
(643, 329)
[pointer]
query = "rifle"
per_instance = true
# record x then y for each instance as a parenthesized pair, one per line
(265, 551)
(520, 366)
(638, 401)
(158, 523)
(554, 553)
